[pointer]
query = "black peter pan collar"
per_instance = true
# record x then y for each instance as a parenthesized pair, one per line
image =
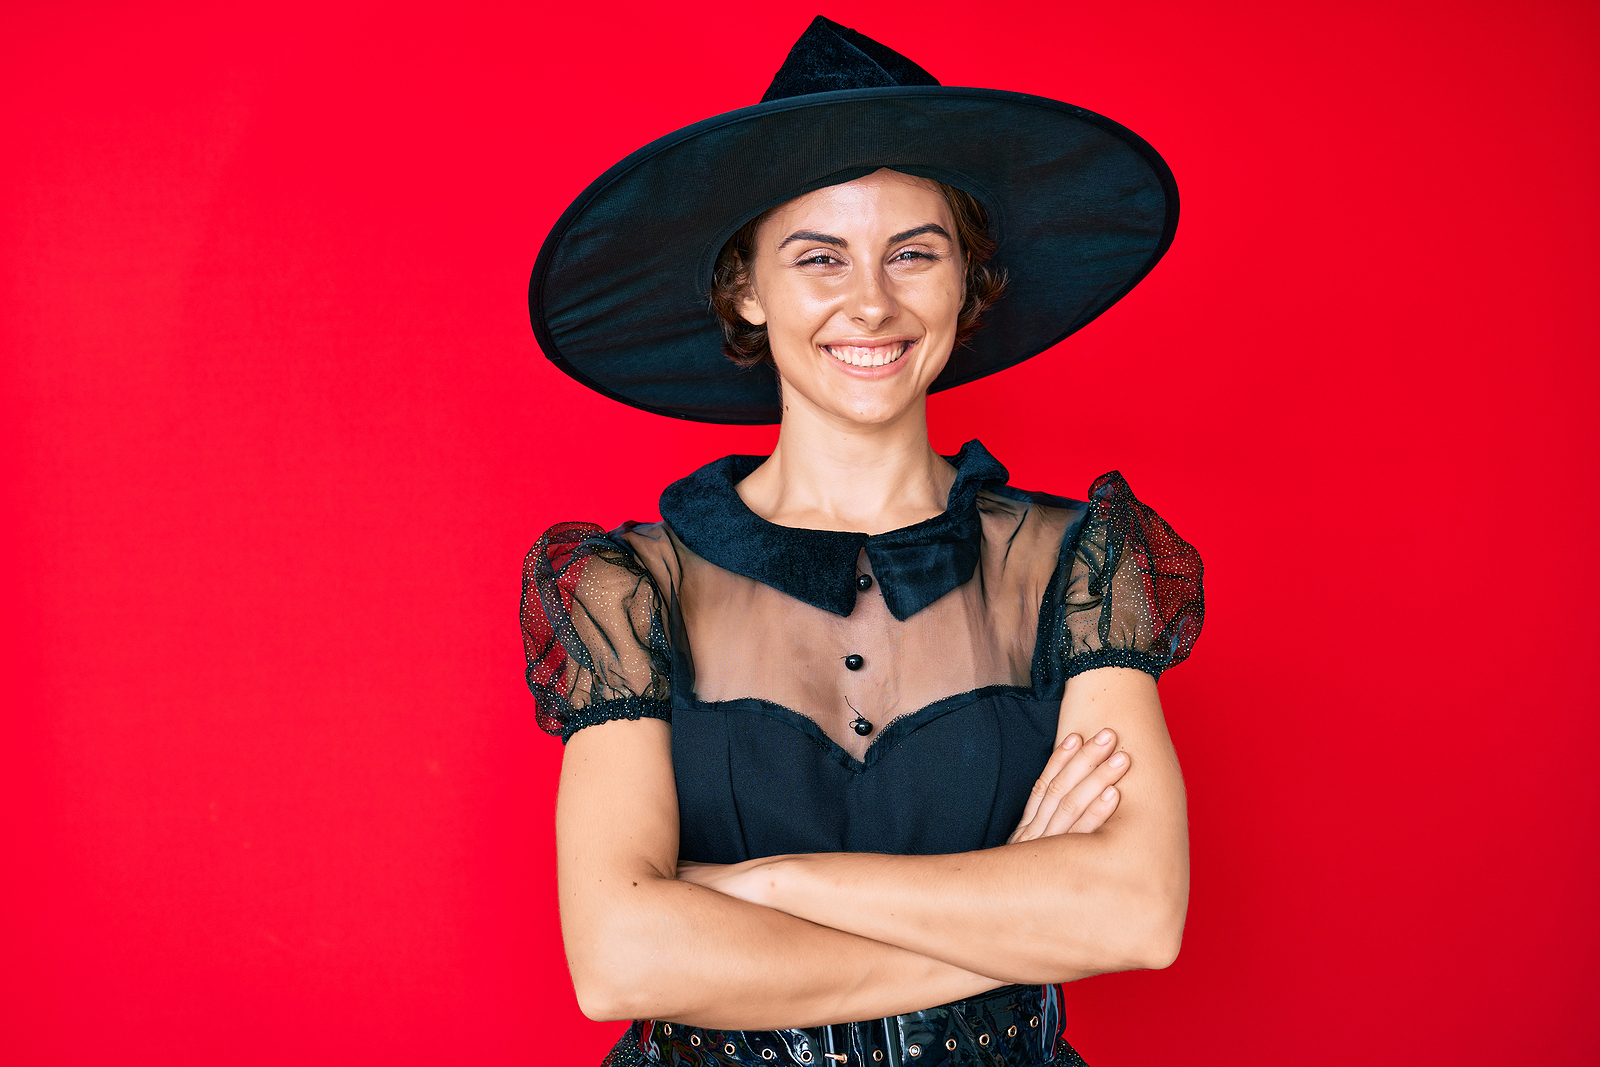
(914, 565)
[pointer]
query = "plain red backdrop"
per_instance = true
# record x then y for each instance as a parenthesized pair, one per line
(275, 437)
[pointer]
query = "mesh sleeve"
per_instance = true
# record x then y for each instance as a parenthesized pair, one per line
(1133, 596)
(592, 630)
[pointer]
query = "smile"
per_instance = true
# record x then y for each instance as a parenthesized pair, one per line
(869, 355)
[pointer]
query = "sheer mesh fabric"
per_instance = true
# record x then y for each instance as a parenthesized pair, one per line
(1110, 582)
(592, 630)
(749, 640)
(1133, 594)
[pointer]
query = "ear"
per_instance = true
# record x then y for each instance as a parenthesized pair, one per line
(750, 309)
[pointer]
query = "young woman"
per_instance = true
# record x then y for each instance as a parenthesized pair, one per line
(857, 732)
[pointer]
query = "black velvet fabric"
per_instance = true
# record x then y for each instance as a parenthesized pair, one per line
(828, 57)
(1080, 207)
(914, 566)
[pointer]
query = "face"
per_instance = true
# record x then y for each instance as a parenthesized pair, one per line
(860, 287)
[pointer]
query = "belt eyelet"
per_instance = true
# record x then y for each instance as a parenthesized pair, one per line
(1011, 1031)
(729, 1049)
(877, 1054)
(950, 1043)
(983, 1039)
(805, 1055)
(1033, 1023)
(768, 1054)
(694, 1039)
(914, 1051)
(666, 1028)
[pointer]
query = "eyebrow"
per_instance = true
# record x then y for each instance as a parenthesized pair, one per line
(812, 235)
(840, 242)
(932, 227)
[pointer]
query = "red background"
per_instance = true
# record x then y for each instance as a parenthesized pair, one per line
(276, 436)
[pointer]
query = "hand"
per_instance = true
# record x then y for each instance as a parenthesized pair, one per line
(1076, 793)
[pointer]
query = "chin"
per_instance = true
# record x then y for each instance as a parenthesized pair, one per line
(875, 411)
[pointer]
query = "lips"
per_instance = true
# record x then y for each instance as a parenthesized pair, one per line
(869, 355)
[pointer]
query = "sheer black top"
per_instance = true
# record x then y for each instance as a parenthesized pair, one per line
(762, 644)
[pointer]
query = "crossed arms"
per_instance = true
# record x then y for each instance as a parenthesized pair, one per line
(1095, 879)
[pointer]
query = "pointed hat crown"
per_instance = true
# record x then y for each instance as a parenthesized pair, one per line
(828, 57)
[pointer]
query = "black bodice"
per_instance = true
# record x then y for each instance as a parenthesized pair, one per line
(756, 779)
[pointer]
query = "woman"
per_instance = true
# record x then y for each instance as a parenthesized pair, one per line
(857, 732)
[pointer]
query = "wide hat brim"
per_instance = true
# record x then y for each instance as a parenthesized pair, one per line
(1081, 209)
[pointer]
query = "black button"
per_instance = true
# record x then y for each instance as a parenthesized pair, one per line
(853, 662)
(863, 581)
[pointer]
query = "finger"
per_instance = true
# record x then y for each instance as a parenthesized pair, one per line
(1051, 793)
(1072, 760)
(1058, 759)
(1076, 803)
(1099, 810)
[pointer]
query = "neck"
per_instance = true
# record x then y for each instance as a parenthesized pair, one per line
(828, 475)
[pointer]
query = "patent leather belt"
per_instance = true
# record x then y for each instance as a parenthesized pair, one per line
(1017, 1026)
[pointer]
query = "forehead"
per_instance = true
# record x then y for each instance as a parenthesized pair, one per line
(884, 200)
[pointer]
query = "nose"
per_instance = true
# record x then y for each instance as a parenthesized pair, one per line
(871, 300)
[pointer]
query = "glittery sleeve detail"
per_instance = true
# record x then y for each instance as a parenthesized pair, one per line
(592, 630)
(1133, 594)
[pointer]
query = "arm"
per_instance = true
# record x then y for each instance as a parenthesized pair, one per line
(642, 944)
(1050, 909)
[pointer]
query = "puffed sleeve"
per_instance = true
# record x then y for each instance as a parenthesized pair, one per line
(1133, 595)
(593, 631)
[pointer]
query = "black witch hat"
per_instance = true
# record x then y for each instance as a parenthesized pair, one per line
(1080, 207)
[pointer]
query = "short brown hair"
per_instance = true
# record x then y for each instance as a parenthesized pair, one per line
(746, 344)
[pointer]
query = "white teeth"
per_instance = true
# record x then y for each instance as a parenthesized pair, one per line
(874, 356)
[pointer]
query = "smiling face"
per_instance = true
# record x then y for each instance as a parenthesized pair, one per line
(860, 287)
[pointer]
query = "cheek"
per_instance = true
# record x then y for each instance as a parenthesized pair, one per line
(802, 309)
(943, 302)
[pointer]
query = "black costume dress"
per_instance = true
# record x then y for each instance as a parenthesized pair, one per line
(839, 692)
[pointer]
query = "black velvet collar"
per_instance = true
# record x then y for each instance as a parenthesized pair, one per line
(914, 566)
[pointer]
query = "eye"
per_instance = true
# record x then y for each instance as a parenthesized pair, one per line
(819, 257)
(911, 254)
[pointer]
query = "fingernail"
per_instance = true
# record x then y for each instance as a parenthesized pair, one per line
(1119, 760)
(1103, 737)
(1071, 742)
(1110, 793)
